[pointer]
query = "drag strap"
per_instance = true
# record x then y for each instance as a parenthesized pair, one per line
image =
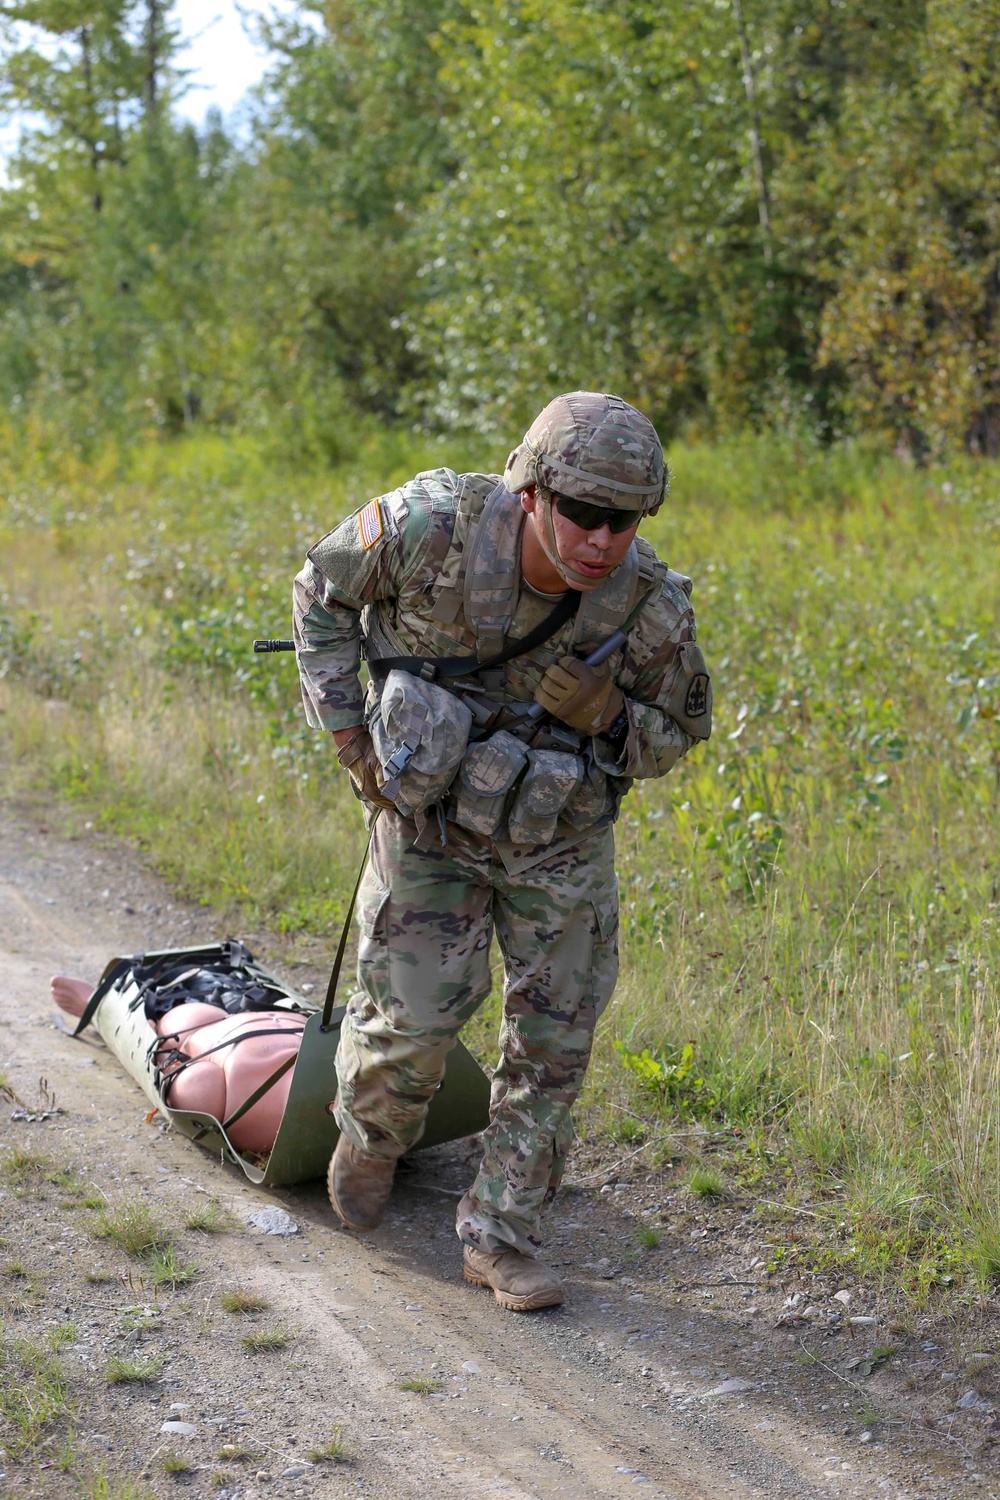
(109, 981)
(338, 962)
(259, 1093)
(433, 667)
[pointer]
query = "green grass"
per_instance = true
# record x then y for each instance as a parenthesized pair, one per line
(242, 1301)
(119, 1370)
(332, 1452)
(22, 1167)
(102, 1486)
(236, 1453)
(706, 1182)
(208, 1218)
(649, 1238)
(133, 1226)
(167, 1269)
(34, 1400)
(809, 920)
(266, 1340)
(176, 1464)
(423, 1385)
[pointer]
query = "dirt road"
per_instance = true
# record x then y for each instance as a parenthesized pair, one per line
(663, 1376)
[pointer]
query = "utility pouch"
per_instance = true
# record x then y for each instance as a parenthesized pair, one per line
(487, 773)
(420, 733)
(689, 700)
(549, 782)
(591, 800)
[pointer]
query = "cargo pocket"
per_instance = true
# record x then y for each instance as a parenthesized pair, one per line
(373, 951)
(549, 782)
(590, 800)
(604, 959)
(486, 776)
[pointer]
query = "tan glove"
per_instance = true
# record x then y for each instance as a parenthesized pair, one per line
(359, 760)
(583, 697)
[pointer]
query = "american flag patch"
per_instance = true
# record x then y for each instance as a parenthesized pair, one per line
(370, 524)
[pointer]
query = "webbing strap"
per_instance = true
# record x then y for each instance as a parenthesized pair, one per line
(220, 1046)
(259, 1093)
(109, 981)
(462, 666)
(331, 989)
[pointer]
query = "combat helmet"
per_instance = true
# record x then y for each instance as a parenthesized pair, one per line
(594, 447)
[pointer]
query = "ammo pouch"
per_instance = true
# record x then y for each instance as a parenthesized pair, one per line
(591, 800)
(549, 782)
(431, 724)
(488, 772)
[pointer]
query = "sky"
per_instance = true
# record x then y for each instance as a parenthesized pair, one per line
(222, 60)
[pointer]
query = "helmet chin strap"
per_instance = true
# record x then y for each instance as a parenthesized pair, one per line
(546, 534)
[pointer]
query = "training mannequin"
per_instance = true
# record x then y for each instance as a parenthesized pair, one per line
(216, 1083)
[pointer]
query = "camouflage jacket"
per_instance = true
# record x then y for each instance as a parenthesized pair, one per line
(399, 559)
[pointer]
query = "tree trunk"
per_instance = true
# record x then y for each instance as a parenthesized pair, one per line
(763, 204)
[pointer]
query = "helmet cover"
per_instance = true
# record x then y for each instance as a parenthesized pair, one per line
(593, 447)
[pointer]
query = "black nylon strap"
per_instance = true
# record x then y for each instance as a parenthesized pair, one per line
(259, 1093)
(109, 981)
(463, 666)
(345, 932)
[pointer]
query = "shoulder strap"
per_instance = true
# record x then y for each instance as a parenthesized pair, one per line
(108, 982)
(432, 667)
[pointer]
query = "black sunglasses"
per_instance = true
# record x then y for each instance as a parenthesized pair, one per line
(592, 517)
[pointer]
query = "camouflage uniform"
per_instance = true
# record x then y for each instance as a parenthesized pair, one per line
(428, 909)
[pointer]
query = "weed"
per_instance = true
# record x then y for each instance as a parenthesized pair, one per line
(649, 1237)
(33, 1395)
(16, 1270)
(706, 1182)
(23, 1165)
(166, 1269)
(209, 1218)
(241, 1301)
(63, 1334)
(424, 1385)
(266, 1340)
(139, 1371)
(985, 1252)
(332, 1452)
(97, 1276)
(101, 1486)
(218, 1480)
(235, 1453)
(176, 1463)
(134, 1226)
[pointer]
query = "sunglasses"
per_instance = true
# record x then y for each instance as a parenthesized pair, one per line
(592, 517)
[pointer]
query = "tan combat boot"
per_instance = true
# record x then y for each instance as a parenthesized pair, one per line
(359, 1185)
(519, 1282)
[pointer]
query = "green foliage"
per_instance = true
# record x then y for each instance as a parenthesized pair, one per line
(332, 1452)
(776, 216)
(706, 1182)
(141, 1370)
(838, 1000)
(266, 1340)
(33, 1396)
(134, 1226)
(421, 1385)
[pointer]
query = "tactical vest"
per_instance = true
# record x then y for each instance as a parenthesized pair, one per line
(479, 578)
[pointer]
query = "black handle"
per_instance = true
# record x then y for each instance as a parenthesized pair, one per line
(274, 646)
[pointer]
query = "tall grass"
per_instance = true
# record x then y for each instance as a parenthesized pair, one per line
(809, 903)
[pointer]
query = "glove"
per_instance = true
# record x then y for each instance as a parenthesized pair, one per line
(583, 697)
(362, 765)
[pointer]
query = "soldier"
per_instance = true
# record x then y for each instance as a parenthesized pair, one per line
(477, 598)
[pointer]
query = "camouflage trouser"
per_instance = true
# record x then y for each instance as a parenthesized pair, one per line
(426, 922)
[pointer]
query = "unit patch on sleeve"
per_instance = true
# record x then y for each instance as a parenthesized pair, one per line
(370, 524)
